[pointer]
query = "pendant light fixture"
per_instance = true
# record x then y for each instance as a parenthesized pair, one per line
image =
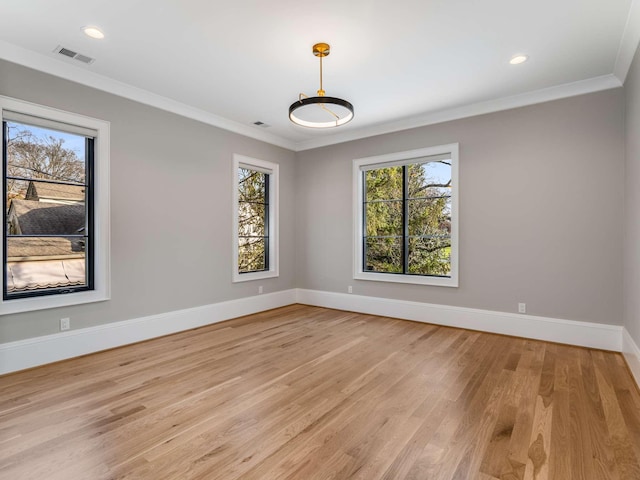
(320, 111)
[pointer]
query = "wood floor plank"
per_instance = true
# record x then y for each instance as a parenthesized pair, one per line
(529, 370)
(307, 393)
(537, 466)
(560, 463)
(624, 452)
(579, 432)
(630, 409)
(504, 456)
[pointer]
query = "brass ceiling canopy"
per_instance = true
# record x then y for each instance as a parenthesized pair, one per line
(320, 111)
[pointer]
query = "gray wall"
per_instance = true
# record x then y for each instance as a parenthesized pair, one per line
(632, 203)
(540, 210)
(171, 238)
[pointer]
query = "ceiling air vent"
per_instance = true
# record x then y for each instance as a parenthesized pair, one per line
(84, 58)
(75, 55)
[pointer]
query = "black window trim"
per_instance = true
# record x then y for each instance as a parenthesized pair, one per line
(265, 237)
(405, 218)
(90, 215)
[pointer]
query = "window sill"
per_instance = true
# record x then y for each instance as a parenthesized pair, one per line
(20, 305)
(410, 279)
(247, 277)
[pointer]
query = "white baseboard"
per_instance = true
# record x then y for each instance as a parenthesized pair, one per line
(631, 353)
(36, 351)
(585, 334)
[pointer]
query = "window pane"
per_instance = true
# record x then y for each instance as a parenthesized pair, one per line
(430, 256)
(253, 206)
(383, 255)
(251, 254)
(251, 185)
(430, 179)
(384, 218)
(30, 217)
(46, 218)
(16, 189)
(251, 219)
(41, 153)
(429, 216)
(383, 184)
(36, 263)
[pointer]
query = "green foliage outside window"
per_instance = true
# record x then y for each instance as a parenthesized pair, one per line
(407, 215)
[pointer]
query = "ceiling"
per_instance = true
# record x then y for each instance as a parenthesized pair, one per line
(401, 64)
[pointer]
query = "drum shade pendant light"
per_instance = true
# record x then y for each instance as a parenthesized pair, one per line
(320, 111)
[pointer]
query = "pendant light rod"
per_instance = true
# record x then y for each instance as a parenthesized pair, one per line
(321, 91)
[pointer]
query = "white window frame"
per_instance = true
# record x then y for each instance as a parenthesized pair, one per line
(102, 272)
(273, 169)
(402, 158)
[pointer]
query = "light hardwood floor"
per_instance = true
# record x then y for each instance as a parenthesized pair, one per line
(310, 393)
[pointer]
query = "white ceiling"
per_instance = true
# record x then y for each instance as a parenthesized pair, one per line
(401, 64)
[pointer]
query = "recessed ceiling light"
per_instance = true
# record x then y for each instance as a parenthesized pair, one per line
(93, 32)
(518, 59)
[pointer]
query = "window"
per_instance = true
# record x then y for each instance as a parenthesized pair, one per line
(55, 239)
(406, 225)
(255, 200)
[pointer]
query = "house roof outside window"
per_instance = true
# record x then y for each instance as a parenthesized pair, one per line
(54, 192)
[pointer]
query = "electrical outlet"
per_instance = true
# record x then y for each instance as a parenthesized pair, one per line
(65, 324)
(349, 289)
(522, 308)
(260, 290)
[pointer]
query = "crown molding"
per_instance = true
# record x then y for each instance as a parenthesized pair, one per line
(628, 43)
(60, 68)
(604, 82)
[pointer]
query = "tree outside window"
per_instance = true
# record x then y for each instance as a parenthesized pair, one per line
(253, 220)
(407, 212)
(48, 221)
